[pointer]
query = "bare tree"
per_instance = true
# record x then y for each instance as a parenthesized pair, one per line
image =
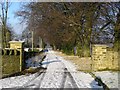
(4, 15)
(71, 24)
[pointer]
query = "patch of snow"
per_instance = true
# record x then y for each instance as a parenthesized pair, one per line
(109, 78)
(15, 81)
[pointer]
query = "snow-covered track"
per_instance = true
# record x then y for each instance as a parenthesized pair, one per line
(41, 72)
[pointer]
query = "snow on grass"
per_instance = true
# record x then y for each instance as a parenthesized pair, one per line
(109, 78)
(15, 81)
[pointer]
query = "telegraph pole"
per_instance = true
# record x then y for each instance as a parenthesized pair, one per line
(32, 41)
(40, 42)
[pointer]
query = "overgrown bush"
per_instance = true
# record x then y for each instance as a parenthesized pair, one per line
(83, 51)
(116, 46)
(67, 49)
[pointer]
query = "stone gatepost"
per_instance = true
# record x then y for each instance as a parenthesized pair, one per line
(18, 45)
(99, 60)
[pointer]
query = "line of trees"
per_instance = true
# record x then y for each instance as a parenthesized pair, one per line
(71, 25)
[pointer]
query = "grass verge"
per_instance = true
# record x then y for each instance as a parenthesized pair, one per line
(82, 64)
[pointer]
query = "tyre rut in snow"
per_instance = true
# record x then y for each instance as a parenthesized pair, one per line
(43, 71)
(72, 81)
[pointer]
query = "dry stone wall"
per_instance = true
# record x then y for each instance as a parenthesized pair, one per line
(104, 58)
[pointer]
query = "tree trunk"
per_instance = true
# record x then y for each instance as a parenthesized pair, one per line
(75, 50)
